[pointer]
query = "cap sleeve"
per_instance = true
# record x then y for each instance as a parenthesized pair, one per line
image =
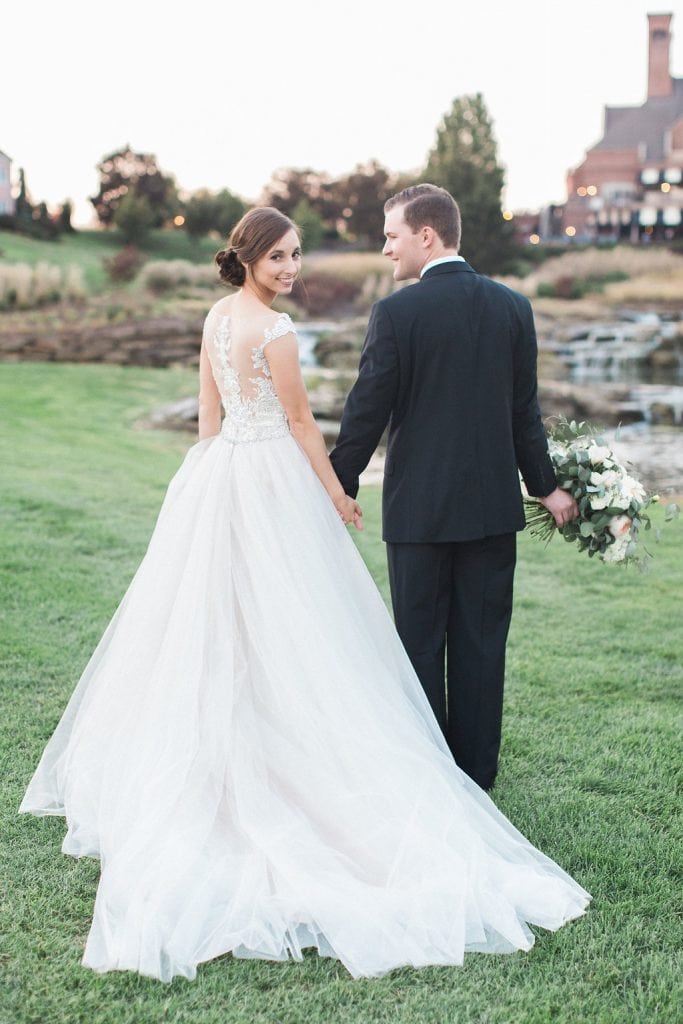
(283, 325)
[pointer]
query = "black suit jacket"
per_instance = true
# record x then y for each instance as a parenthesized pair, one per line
(450, 364)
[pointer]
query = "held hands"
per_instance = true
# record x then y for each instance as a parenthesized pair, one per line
(561, 505)
(350, 511)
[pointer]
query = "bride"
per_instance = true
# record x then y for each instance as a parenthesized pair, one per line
(249, 751)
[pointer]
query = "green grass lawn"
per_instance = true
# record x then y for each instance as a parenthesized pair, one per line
(589, 760)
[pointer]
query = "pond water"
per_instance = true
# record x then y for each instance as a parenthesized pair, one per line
(309, 333)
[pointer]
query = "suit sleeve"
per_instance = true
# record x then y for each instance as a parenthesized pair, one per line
(370, 402)
(531, 443)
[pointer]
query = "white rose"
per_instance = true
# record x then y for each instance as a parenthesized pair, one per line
(612, 479)
(615, 552)
(598, 453)
(632, 488)
(597, 502)
(620, 500)
(619, 525)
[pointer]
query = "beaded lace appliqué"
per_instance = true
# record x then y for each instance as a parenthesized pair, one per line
(260, 416)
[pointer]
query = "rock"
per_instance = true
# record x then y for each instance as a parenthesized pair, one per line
(337, 353)
(329, 429)
(180, 415)
(327, 390)
(158, 341)
(604, 404)
(662, 414)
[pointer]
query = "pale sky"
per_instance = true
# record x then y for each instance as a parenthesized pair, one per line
(224, 93)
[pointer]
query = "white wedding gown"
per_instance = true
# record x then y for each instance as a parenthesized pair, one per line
(249, 750)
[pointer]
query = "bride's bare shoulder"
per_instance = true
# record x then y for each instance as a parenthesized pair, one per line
(222, 307)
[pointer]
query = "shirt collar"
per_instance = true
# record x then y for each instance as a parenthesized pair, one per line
(442, 259)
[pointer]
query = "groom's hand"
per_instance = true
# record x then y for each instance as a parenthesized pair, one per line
(561, 505)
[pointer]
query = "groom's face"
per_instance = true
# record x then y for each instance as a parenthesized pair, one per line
(405, 249)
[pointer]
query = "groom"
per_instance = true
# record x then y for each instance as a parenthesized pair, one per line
(449, 364)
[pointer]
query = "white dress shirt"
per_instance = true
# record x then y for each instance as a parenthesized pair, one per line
(442, 259)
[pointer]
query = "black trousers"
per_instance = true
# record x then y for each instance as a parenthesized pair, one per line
(452, 607)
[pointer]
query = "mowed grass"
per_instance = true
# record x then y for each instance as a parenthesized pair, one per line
(590, 764)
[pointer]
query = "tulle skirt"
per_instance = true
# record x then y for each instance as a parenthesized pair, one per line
(251, 756)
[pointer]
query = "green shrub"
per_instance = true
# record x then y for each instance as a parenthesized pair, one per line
(124, 266)
(161, 276)
(319, 294)
(597, 282)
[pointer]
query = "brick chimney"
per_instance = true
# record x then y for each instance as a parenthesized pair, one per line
(659, 82)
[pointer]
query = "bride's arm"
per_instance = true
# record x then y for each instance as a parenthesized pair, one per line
(209, 398)
(283, 362)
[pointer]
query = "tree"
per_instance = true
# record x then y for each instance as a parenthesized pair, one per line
(64, 218)
(125, 171)
(229, 209)
(23, 207)
(45, 226)
(134, 217)
(288, 186)
(464, 161)
(31, 218)
(206, 211)
(200, 214)
(310, 225)
(362, 195)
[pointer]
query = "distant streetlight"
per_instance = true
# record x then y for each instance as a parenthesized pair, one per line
(534, 239)
(179, 220)
(581, 190)
(507, 214)
(592, 190)
(665, 186)
(570, 231)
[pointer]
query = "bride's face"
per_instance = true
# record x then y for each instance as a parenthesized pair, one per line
(278, 268)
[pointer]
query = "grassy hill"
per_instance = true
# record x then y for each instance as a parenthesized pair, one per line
(88, 250)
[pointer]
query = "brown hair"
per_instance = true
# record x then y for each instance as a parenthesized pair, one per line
(254, 234)
(429, 206)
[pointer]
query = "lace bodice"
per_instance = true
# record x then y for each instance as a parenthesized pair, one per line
(253, 412)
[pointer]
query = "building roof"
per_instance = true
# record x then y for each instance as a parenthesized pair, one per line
(628, 127)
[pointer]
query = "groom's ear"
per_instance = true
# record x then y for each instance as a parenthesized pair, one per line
(427, 236)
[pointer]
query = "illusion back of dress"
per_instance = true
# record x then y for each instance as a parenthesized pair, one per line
(236, 349)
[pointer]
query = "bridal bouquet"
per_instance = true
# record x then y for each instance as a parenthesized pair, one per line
(611, 502)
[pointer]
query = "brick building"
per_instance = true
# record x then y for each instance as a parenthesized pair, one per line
(630, 185)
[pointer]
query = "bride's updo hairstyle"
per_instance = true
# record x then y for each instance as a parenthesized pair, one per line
(254, 235)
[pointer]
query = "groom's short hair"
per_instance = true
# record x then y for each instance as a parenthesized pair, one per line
(429, 206)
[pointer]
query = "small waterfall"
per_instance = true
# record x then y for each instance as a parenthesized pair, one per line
(658, 404)
(309, 335)
(608, 351)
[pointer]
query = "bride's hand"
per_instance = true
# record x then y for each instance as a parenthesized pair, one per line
(350, 511)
